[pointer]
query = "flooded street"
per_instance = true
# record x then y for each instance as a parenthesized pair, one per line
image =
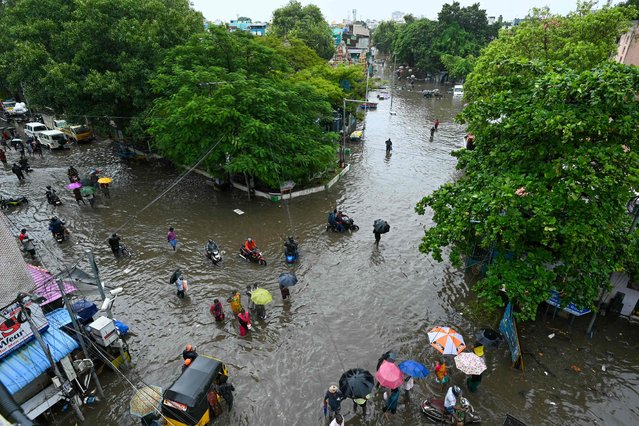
(354, 301)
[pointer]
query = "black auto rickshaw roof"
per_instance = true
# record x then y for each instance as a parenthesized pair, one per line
(194, 382)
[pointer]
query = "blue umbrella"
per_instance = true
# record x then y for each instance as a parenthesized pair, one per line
(287, 279)
(413, 369)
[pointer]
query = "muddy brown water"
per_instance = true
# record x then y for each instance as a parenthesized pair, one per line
(353, 301)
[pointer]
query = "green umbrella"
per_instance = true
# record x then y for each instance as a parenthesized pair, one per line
(261, 296)
(87, 190)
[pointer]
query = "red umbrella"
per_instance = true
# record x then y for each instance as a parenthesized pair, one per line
(389, 375)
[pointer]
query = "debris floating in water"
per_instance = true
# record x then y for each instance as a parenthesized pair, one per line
(238, 211)
(550, 336)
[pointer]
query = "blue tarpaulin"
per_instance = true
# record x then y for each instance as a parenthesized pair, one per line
(27, 363)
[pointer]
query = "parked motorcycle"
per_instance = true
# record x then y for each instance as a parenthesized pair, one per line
(5, 203)
(435, 411)
(347, 225)
(212, 252)
(254, 256)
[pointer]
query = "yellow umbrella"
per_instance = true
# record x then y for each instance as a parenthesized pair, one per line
(261, 296)
(105, 180)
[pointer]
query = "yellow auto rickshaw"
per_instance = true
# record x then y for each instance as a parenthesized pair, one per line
(185, 402)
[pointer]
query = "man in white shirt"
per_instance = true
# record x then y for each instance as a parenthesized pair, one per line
(451, 400)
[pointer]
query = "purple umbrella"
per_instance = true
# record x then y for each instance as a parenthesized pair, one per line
(74, 185)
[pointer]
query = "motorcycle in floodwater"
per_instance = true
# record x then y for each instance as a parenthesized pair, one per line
(254, 256)
(212, 252)
(5, 203)
(348, 224)
(291, 257)
(434, 409)
(53, 199)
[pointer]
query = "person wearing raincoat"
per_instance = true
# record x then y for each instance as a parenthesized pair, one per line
(245, 322)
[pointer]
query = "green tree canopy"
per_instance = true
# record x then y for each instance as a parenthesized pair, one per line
(384, 35)
(453, 42)
(91, 57)
(305, 23)
(556, 161)
(581, 40)
(232, 90)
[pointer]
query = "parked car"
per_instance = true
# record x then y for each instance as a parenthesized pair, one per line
(53, 139)
(458, 90)
(34, 128)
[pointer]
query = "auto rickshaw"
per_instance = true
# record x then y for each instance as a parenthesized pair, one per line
(185, 402)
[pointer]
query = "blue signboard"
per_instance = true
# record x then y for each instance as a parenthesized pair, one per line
(555, 300)
(508, 329)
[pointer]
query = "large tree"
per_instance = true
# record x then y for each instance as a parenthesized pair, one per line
(305, 23)
(89, 57)
(233, 92)
(556, 160)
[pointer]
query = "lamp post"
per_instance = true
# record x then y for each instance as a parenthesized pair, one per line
(342, 157)
(393, 81)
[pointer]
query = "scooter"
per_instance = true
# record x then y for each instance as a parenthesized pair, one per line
(254, 256)
(291, 257)
(60, 236)
(435, 411)
(53, 199)
(212, 253)
(5, 203)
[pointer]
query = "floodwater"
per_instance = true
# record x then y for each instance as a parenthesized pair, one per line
(353, 301)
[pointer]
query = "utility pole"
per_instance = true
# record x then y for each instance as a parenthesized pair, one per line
(96, 274)
(64, 383)
(80, 335)
(393, 81)
(342, 157)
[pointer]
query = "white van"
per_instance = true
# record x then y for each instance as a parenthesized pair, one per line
(34, 128)
(458, 90)
(52, 139)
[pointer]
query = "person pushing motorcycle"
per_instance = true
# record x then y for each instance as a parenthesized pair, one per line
(450, 401)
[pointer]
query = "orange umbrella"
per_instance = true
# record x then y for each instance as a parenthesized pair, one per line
(446, 340)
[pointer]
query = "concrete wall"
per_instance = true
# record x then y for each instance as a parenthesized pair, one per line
(619, 282)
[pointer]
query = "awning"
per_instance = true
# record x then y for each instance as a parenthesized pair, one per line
(46, 286)
(26, 364)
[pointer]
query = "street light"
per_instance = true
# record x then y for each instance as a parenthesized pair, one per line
(342, 157)
(393, 81)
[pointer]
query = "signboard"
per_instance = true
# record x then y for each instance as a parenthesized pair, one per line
(13, 334)
(508, 329)
(555, 300)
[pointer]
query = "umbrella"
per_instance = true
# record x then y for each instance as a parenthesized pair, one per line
(105, 180)
(356, 383)
(146, 400)
(488, 337)
(87, 190)
(389, 375)
(261, 296)
(446, 340)
(287, 279)
(74, 185)
(469, 363)
(413, 369)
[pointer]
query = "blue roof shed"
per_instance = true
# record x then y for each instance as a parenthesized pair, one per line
(27, 363)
